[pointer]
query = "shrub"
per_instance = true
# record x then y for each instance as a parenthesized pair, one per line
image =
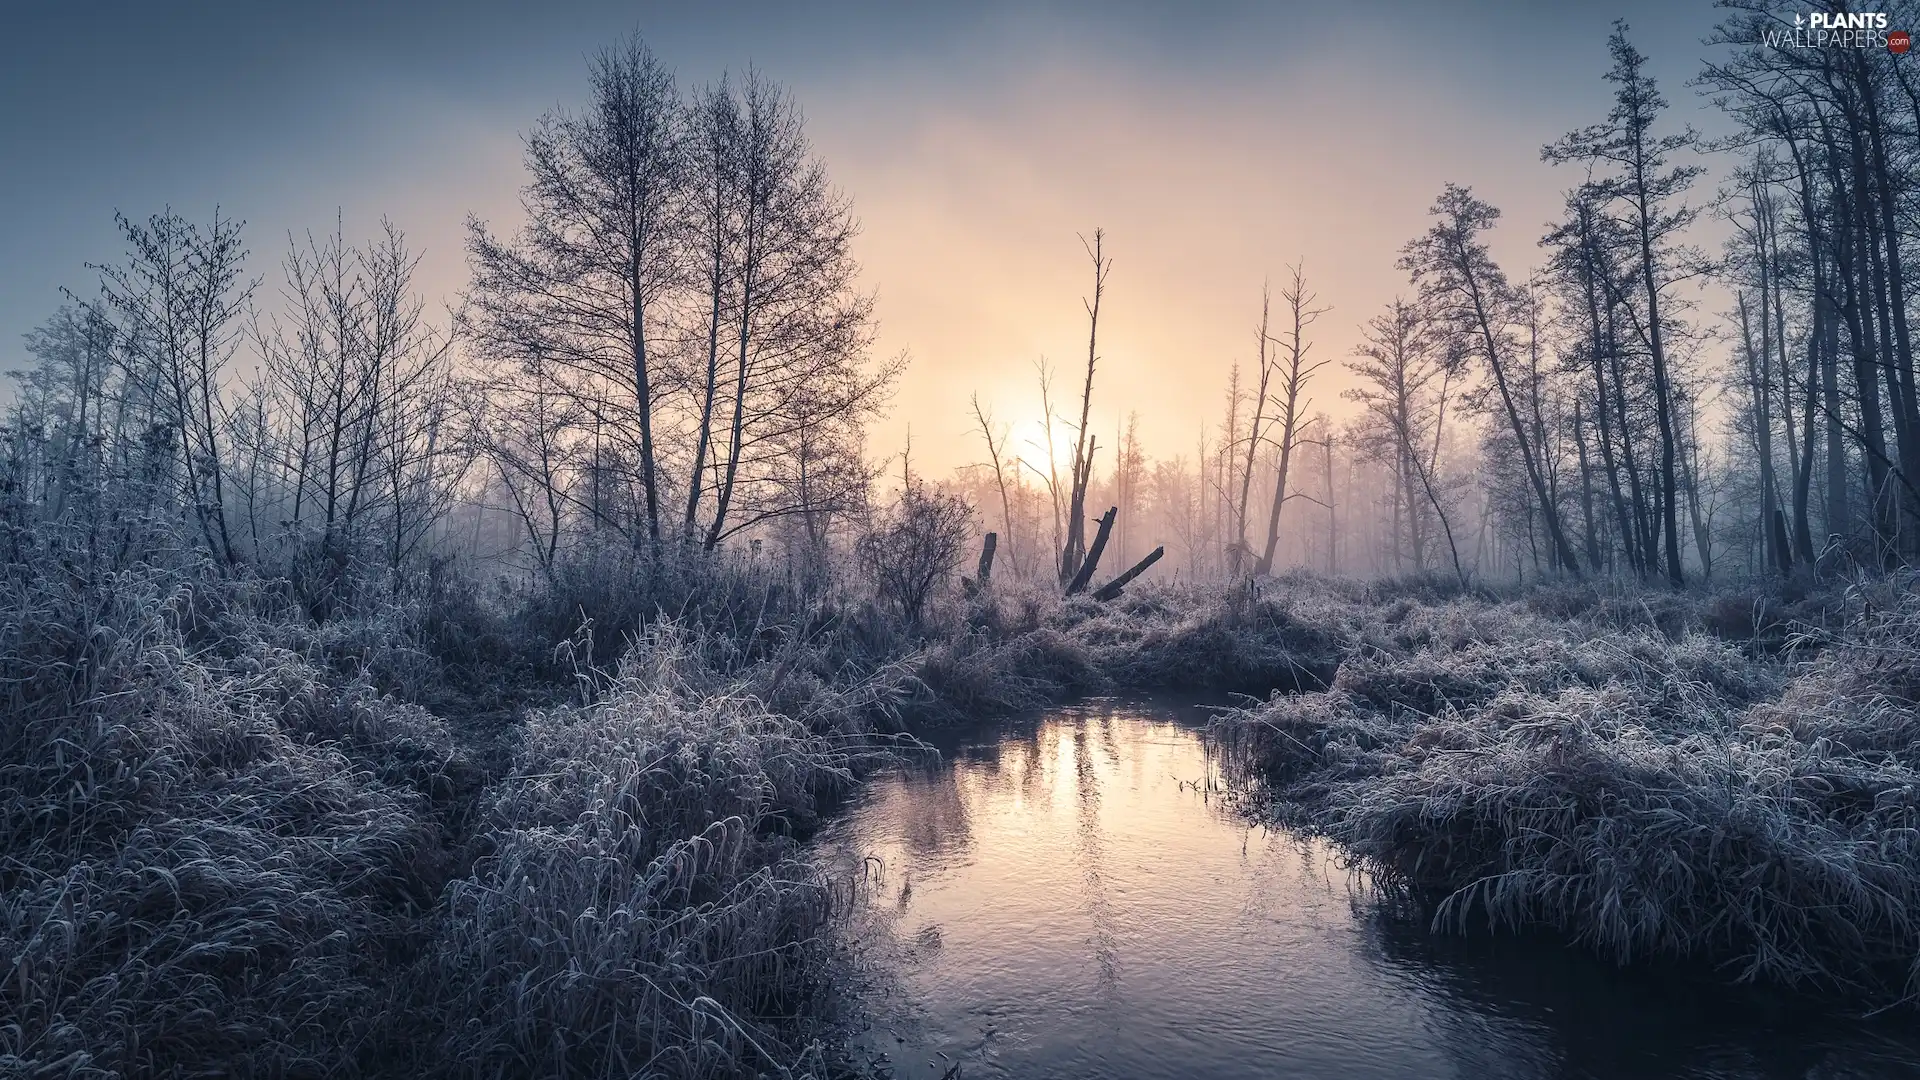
(914, 546)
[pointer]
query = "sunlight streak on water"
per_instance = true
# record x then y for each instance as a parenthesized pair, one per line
(1068, 897)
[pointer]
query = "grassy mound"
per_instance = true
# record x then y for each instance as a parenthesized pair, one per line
(201, 862)
(1642, 795)
(643, 909)
(224, 849)
(1020, 646)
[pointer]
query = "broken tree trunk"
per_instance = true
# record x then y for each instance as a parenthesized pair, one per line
(1092, 562)
(1112, 588)
(983, 576)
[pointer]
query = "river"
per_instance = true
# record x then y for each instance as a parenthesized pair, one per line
(1070, 895)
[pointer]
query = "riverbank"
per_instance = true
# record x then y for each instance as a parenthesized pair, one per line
(428, 837)
(1643, 793)
(1065, 893)
(558, 832)
(442, 834)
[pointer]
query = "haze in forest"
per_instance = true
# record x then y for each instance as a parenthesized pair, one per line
(459, 552)
(1216, 145)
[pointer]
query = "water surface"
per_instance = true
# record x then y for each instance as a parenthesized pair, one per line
(1070, 896)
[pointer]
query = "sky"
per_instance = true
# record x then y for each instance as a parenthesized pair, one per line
(1216, 143)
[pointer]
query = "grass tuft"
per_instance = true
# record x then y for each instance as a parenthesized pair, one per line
(1643, 795)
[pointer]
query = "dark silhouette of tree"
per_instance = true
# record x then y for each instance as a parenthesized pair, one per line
(1471, 300)
(582, 288)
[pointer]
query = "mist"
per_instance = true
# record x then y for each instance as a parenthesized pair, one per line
(1016, 541)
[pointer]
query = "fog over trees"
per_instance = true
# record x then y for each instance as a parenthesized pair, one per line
(1591, 414)
(675, 352)
(453, 691)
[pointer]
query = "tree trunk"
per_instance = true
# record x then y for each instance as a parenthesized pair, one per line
(1112, 588)
(1092, 562)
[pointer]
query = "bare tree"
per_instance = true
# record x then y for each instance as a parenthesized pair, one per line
(1129, 471)
(1288, 398)
(523, 433)
(63, 398)
(1471, 301)
(180, 297)
(1084, 442)
(799, 329)
(1407, 375)
(996, 441)
(1648, 187)
(580, 288)
(351, 428)
(1267, 363)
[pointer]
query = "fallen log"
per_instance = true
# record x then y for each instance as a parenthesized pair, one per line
(1112, 588)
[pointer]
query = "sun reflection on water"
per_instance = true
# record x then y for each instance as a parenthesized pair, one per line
(1071, 896)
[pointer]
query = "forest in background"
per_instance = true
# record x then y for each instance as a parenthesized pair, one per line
(390, 694)
(674, 353)
(1587, 415)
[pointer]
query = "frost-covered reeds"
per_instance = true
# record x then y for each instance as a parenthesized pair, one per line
(643, 909)
(1019, 646)
(201, 861)
(237, 839)
(224, 850)
(1645, 795)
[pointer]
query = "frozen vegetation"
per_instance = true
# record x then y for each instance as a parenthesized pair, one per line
(388, 698)
(432, 837)
(1650, 777)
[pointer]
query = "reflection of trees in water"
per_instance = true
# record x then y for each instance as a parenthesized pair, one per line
(997, 761)
(930, 814)
(1497, 1008)
(930, 807)
(1528, 1006)
(1088, 847)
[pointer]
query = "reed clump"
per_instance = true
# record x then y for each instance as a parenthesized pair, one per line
(228, 847)
(199, 862)
(643, 908)
(1644, 795)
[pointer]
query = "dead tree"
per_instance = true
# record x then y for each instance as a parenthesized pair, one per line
(1112, 588)
(1267, 365)
(1296, 372)
(983, 574)
(1092, 561)
(996, 457)
(1084, 443)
